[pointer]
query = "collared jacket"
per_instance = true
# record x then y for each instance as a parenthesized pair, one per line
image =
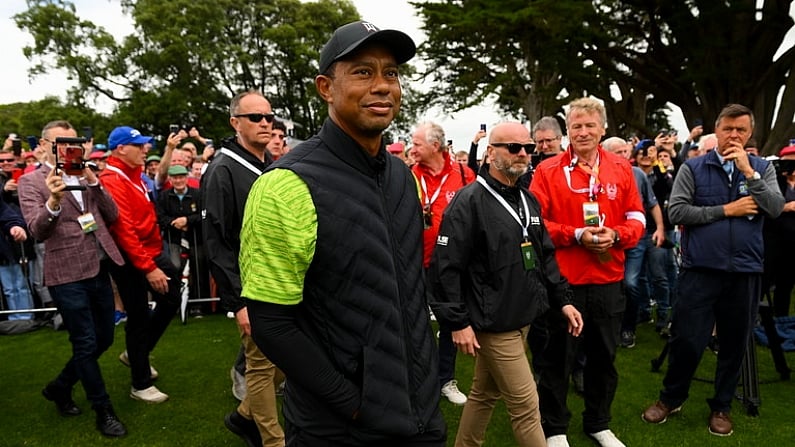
(70, 254)
(562, 198)
(223, 193)
(477, 274)
(170, 207)
(136, 231)
(710, 239)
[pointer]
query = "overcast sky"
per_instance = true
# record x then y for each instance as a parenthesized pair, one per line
(15, 85)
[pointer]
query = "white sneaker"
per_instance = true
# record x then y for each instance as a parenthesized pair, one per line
(125, 359)
(238, 384)
(450, 391)
(151, 395)
(557, 441)
(606, 438)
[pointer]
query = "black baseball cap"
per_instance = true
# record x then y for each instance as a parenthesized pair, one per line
(347, 38)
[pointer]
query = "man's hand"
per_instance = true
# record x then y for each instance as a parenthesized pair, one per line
(180, 223)
(745, 206)
(736, 152)
(11, 185)
(658, 237)
(242, 320)
(18, 233)
(574, 319)
(56, 186)
(789, 207)
(466, 341)
(481, 133)
(598, 239)
(158, 280)
(695, 133)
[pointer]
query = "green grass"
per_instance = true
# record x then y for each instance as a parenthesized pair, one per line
(194, 361)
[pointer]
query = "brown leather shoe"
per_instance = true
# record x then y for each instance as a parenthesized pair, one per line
(720, 424)
(658, 413)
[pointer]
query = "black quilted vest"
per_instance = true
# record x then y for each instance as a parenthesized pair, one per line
(364, 294)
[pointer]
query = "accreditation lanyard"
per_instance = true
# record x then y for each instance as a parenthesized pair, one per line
(430, 200)
(240, 160)
(509, 208)
(594, 187)
(140, 186)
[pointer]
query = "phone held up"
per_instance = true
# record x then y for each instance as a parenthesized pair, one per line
(69, 158)
(173, 128)
(483, 127)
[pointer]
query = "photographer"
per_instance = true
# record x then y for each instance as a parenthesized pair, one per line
(79, 252)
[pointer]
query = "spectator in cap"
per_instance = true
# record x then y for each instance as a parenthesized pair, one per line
(151, 166)
(147, 266)
(349, 328)
(398, 150)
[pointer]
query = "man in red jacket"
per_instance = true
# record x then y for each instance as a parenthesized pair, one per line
(146, 266)
(591, 207)
(439, 178)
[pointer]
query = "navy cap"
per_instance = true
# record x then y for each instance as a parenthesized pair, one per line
(643, 145)
(347, 38)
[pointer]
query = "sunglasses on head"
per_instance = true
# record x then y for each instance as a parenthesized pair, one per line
(257, 117)
(515, 148)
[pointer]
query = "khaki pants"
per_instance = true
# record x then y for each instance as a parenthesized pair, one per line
(260, 401)
(502, 371)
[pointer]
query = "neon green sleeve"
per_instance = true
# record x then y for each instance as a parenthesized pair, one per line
(277, 240)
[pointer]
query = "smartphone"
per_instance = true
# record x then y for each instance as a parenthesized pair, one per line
(483, 127)
(173, 128)
(88, 133)
(698, 122)
(33, 142)
(69, 157)
(16, 146)
(449, 143)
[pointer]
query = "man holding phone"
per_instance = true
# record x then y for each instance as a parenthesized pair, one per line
(76, 269)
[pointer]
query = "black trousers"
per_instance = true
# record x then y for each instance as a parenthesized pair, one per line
(144, 328)
(602, 308)
(728, 301)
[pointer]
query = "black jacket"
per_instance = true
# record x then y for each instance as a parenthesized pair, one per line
(223, 193)
(170, 207)
(477, 275)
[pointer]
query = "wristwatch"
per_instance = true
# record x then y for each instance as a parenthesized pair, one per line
(756, 176)
(616, 238)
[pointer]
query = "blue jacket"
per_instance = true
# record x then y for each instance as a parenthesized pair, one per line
(731, 244)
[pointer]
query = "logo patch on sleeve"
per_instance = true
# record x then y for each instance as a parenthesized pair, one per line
(442, 240)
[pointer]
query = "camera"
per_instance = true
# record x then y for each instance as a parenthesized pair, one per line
(173, 128)
(69, 155)
(783, 167)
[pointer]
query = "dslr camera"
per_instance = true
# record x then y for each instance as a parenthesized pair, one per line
(69, 155)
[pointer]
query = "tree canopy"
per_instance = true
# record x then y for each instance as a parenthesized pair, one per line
(187, 58)
(636, 55)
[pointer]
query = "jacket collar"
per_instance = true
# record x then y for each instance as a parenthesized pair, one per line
(349, 151)
(131, 172)
(232, 144)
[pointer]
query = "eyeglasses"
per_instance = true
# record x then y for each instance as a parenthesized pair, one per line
(547, 142)
(7, 160)
(515, 148)
(257, 117)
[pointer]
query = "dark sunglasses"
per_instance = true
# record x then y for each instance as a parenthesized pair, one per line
(515, 148)
(257, 117)
(7, 160)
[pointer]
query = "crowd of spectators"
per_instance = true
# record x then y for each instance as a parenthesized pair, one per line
(610, 233)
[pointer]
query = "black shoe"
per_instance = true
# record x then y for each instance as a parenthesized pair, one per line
(108, 423)
(245, 428)
(62, 399)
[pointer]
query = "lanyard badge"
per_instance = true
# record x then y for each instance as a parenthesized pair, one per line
(528, 256)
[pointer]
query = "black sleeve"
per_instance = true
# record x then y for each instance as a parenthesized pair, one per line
(274, 330)
(472, 162)
(163, 219)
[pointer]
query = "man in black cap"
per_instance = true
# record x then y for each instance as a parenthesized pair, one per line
(330, 269)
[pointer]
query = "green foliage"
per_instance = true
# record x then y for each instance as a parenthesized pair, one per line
(30, 117)
(188, 58)
(533, 57)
